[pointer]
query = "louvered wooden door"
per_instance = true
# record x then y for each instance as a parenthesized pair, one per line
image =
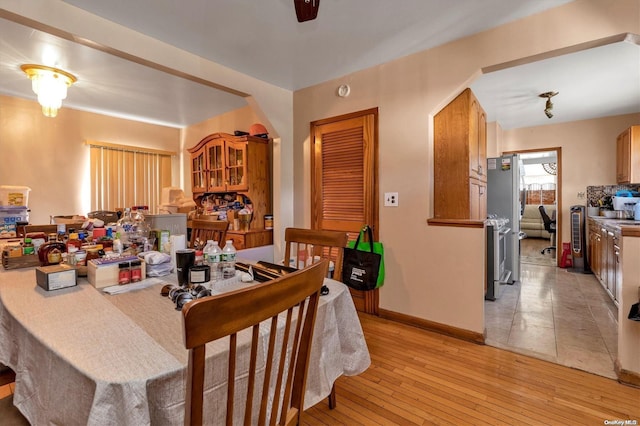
(344, 181)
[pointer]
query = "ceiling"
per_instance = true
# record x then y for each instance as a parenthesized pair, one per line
(263, 39)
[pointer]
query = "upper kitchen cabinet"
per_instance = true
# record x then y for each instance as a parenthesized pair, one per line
(628, 156)
(198, 174)
(229, 165)
(220, 162)
(225, 163)
(460, 157)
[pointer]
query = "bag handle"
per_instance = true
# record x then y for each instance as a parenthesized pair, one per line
(369, 234)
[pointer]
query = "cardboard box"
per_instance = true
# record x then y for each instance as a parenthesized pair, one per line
(106, 274)
(55, 277)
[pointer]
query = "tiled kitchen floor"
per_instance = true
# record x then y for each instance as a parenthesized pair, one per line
(556, 315)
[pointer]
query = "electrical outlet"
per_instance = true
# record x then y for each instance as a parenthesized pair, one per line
(391, 199)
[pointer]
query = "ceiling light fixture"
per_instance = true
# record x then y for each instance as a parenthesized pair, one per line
(549, 105)
(50, 84)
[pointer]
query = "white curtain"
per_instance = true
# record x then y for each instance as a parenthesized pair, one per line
(125, 176)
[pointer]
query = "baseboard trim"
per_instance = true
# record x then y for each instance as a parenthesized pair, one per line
(436, 327)
(626, 377)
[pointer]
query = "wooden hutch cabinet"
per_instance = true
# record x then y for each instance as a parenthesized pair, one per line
(628, 156)
(224, 164)
(460, 158)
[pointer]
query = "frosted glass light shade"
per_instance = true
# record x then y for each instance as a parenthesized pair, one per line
(50, 84)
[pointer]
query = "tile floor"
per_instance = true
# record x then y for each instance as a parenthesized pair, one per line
(556, 315)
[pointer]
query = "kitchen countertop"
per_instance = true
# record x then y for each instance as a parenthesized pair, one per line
(626, 226)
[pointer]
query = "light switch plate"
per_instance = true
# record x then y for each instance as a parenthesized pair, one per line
(391, 199)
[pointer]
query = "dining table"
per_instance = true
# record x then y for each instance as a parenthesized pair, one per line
(86, 357)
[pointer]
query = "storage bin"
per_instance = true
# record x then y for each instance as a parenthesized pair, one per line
(9, 218)
(14, 195)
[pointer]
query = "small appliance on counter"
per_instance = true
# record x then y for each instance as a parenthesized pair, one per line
(627, 201)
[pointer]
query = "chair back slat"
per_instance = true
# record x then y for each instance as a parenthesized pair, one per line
(231, 376)
(252, 373)
(267, 371)
(300, 244)
(281, 367)
(291, 302)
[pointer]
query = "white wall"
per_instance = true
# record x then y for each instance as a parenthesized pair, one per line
(437, 273)
(50, 156)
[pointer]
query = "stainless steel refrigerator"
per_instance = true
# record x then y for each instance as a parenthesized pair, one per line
(504, 201)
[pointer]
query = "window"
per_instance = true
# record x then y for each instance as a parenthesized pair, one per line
(124, 176)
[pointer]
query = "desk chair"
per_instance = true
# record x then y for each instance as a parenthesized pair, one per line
(203, 230)
(550, 227)
(325, 244)
(212, 318)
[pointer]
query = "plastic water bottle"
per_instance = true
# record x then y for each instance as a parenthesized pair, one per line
(205, 252)
(228, 260)
(117, 244)
(212, 252)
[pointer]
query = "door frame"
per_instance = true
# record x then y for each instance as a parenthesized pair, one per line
(365, 301)
(558, 151)
(375, 202)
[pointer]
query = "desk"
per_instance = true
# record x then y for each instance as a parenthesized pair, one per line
(83, 357)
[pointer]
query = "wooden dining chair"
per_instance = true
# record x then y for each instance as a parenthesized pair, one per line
(215, 317)
(303, 245)
(203, 230)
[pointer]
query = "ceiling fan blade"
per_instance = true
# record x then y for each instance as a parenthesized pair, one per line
(306, 10)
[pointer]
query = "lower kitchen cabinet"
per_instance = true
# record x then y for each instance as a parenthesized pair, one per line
(605, 254)
(594, 249)
(615, 293)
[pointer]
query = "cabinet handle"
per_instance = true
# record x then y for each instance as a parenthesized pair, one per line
(482, 190)
(480, 170)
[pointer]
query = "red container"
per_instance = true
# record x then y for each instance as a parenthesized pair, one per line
(566, 261)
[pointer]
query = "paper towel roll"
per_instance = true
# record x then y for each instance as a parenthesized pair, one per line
(178, 242)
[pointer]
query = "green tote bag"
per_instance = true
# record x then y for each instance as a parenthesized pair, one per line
(363, 263)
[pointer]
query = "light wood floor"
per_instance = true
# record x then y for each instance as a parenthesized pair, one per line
(422, 378)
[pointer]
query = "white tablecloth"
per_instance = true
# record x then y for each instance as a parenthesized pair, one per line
(83, 357)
